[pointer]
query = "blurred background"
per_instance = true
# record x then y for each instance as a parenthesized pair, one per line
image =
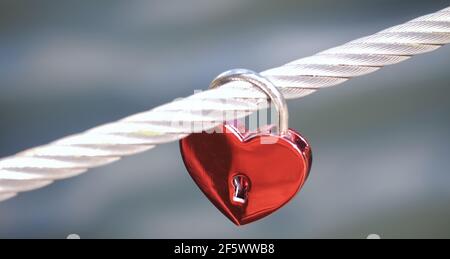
(381, 142)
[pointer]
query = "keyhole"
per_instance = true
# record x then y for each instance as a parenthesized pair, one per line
(241, 185)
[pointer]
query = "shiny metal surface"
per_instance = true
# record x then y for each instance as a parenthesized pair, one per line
(263, 84)
(275, 172)
(241, 185)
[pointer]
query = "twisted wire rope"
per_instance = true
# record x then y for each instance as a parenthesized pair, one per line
(73, 155)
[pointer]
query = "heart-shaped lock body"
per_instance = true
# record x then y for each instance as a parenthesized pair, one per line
(247, 176)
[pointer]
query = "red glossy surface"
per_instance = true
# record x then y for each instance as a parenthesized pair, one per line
(275, 172)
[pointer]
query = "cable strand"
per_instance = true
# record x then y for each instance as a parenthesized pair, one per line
(74, 155)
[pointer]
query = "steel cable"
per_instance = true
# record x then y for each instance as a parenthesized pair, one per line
(73, 155)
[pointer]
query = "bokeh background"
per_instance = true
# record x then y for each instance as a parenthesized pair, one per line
(381, 142)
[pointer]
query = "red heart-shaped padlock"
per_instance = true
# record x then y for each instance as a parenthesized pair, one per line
(247, 176)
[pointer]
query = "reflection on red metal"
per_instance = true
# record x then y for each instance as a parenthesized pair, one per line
(247, 176)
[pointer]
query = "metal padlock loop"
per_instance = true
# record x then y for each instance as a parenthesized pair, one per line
(264, 84)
